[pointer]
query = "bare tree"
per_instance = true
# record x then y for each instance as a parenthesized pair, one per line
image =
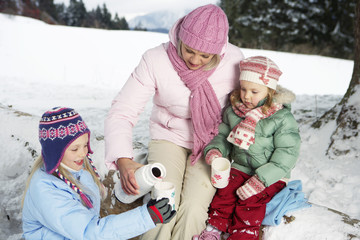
(347, 111)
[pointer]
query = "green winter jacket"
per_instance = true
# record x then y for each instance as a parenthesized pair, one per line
(276, 147)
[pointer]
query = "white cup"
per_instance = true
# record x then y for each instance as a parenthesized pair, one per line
(164, 189)
(220, 172)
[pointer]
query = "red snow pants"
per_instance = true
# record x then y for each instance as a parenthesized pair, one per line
(242, 219)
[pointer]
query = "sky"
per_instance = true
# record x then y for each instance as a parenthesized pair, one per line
(84, 69)
(132, 8)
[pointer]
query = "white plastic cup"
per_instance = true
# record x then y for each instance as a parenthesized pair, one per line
(164, 189)
(220, 172)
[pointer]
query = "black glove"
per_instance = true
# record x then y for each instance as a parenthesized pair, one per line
(160, 210)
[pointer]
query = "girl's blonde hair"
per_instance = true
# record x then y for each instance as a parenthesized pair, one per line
(39, 162)
(235, 97)
(212, 64)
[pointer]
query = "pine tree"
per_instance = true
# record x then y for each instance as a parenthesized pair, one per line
(340, 17)
(139, 27)
(317, 26)
(76, 13)
(106, 17)
(98, 18)
(120, 23)
(61, 13)
(49, 7)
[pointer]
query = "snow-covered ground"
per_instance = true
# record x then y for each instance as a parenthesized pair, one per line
(44, 66)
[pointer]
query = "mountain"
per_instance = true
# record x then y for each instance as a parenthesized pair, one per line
(160, 21)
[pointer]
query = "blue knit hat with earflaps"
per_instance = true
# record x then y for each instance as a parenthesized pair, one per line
(58, 128)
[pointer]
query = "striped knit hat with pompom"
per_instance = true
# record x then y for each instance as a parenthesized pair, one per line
(58, 128)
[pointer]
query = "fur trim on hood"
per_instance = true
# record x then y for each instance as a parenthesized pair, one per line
(284, 95)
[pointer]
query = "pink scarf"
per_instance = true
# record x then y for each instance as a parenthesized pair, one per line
(243, 134)
(204, 105)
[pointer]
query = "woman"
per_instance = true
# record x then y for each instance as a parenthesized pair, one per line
(189, 78)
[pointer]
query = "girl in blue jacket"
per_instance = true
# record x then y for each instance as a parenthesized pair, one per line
(62, 197)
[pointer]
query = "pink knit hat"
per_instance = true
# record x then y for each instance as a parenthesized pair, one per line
(205, 29)
(260, 70)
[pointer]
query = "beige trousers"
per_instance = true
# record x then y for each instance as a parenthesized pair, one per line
(193, 190)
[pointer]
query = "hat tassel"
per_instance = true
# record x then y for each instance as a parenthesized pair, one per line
(86, 200)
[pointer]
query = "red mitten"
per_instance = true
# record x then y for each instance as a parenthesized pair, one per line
(211, 155)
(250, 188)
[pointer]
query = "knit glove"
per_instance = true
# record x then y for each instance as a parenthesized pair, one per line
(160, 210)
(211, 155)
(250, 188)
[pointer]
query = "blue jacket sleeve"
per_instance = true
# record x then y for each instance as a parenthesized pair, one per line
(123, 226)
(53, 209)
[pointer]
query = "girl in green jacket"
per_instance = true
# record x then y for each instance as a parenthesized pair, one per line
(261, 137)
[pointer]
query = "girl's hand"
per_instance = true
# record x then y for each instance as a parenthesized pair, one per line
(211, 155)
(250, 188)
(160, 210)
(127, 168)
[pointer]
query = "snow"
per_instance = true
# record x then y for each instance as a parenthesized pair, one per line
(44, 66)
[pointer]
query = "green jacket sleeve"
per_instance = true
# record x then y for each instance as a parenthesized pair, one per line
(287, 146)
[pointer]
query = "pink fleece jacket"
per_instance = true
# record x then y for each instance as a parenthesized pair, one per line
(170, 117)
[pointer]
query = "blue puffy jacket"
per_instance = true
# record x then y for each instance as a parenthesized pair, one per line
(52, 210)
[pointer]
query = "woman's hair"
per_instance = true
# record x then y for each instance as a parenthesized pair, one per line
(212, 64)
(235, 97)
(39, 162)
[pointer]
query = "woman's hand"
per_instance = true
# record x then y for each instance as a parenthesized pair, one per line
(127, 168)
